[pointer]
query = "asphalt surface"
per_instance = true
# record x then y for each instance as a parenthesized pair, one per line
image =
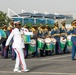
(49, 65)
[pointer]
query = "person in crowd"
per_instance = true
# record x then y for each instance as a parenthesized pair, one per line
(12, 52)
(55, 33)
(63, 32)
(73, 39)
(34, 29)
(18, 45)
(5, 52)
(41, 35)
(47, 35)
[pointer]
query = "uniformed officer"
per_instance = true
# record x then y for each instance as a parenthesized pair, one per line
(73, 39)
(26, 45)
(47, 34)
(18, 45)
(56, 34)
(63, 31)
(41, 34)
(34, 29)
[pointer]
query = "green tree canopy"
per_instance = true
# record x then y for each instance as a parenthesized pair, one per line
(4, 19)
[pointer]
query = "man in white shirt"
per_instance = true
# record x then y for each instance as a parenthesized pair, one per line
(18, 45)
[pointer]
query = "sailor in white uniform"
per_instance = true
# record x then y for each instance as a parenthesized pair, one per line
(18, 45)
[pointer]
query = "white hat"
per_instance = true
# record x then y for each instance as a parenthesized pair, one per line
(55, 21)
(16, 22)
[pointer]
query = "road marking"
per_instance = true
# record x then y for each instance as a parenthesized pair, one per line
(7, 72)
(56, 73)
(61, 60)
(56, 57)
(47, 73)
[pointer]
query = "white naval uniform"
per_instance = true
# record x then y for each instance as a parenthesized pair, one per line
(18, 45)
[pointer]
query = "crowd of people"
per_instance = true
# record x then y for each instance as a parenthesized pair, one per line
(44, 41)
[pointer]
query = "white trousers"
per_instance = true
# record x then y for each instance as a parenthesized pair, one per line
(20, 61)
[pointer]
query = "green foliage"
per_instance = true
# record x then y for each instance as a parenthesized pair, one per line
(4, 19)
(29, 25)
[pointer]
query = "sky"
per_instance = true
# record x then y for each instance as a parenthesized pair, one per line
(51, 6)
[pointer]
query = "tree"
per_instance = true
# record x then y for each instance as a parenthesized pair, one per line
(4, 19)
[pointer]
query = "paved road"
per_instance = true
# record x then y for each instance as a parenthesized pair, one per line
(50, 65)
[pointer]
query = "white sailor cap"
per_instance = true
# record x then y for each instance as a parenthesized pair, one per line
(56, 21)
(16, 22)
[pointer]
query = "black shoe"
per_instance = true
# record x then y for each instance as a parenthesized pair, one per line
(42, 55)
(5, 57)
(73, 59)
(68, 52)
(57, 53)
(13, 58)
(64, 52)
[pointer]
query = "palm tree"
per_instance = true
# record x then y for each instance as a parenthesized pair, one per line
(4, 19)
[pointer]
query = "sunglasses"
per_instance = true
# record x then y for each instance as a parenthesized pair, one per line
(19, 24)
